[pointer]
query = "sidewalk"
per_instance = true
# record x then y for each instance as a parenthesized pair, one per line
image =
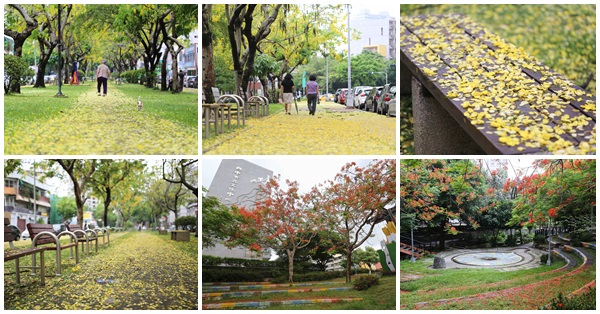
(333, 130)
(140, 270)
(98, 125)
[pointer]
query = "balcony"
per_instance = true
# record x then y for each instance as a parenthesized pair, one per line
(10, 191)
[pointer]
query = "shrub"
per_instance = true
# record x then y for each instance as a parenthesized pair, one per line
(511, 240)
(544, 259)
(232, 275)
(539, 240)
(132, 76)
(581, 236)
(364, 282)
(186, 223)
(14, 69)
(128, 224)
(483, 238)
(313, 276)
(584, 301)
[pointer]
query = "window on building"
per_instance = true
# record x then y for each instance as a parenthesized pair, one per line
(382, 31)
(9, 200)
(10, 183)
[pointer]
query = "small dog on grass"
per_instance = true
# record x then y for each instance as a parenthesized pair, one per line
(140, 105)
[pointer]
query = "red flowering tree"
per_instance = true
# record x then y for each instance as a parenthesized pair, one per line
(355, 200)
(563, 190)
(282, 219)
(437, 192)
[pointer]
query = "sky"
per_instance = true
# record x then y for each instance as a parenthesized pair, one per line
(308, 171)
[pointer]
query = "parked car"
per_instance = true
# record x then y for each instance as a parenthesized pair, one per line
(388, 92)
(191, 82)
(372, 98)
(355, 92)
(14, 230)
(361, 96)
(342, 98)
(392, 105)
(336, 96)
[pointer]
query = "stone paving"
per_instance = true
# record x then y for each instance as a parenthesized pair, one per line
(503, 259)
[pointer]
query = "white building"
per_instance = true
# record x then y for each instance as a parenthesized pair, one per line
(377, 33)
(336, 263)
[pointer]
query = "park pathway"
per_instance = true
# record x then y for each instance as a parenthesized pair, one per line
(97, 125)
(333, 130)
(140, 270)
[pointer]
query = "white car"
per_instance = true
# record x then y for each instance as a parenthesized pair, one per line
(361, 96)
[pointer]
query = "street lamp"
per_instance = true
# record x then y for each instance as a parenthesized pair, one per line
(350, 97)
(386, 77)
(549, 244)
(412, 244)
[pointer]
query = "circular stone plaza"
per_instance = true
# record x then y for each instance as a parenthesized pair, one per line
(506, 259)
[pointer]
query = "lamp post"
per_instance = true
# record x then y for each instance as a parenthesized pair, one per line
(549, 244)
(350, 97)
(412, 244)
(386, 77)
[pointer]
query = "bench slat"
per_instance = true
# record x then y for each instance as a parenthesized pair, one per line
(431, 36)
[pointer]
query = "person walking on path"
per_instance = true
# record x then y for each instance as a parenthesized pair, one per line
(312, 94)
(287, 92)
(102, 75)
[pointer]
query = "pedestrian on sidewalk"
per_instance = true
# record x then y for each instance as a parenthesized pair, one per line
(102, 75)
(287, 92)
(312, 94)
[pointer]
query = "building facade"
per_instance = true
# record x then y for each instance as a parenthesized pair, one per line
(20, 204)
(377, 33)
(237, 182)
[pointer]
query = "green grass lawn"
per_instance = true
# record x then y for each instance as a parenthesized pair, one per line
(434, 285)
(182, 107)
(39, 103)
(380, 297)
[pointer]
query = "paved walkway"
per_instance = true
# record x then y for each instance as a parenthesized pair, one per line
(139, 270)
(333, 130)
(530, 258)
(97, 125)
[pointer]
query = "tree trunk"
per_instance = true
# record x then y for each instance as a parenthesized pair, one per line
(348, 266)
(208, 66)
(106, 204)
(442, 238)
(291, 265)
(163, 73)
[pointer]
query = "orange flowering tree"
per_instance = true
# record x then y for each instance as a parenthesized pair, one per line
(282, 219)
(437, 192)
(561, 190)
(355, 200)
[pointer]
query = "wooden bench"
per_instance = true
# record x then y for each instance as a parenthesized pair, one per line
(42, 234)
(501, 100)
(12, 254)
(84, 236)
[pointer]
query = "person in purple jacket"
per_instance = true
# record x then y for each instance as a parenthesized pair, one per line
(312, 94)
